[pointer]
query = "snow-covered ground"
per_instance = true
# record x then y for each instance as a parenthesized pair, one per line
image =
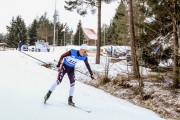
(24, 83)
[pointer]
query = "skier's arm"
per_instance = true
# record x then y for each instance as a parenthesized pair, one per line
(88, 67)
(68, 53)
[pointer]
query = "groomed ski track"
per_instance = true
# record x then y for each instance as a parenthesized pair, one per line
(24, 82)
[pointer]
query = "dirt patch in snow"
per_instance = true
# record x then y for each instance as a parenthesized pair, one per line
(156, 95)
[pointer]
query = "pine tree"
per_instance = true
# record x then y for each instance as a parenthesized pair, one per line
(1, 37)
(45, 29)
(79, 36)
(118, 30)
(33, 33)
(60, 33)
(68, 34)
(161, 30)
(16, 32)
(111, 34)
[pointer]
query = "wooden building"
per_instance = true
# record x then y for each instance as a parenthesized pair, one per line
(90, 36)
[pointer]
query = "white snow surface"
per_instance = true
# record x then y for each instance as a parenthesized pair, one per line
(24, 83)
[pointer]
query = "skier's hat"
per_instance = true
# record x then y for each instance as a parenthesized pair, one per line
(84, 47)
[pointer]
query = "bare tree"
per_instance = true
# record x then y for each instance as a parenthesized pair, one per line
(176, 46)
(99, 33)
(135, 65)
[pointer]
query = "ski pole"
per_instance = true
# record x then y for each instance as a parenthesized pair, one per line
(54, 60)
(33, 57)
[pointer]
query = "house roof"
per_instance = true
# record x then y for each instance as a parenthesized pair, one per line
(90, 33)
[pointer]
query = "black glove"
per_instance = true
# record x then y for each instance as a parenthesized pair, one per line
(92, 77)
(58, 65)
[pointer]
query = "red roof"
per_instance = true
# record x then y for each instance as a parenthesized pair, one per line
(90, 33)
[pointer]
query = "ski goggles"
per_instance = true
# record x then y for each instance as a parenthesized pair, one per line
(84, 51)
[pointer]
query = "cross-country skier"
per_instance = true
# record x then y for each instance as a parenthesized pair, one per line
(66, 64)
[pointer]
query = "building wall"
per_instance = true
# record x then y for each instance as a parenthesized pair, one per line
(87, 40)
(92, 42)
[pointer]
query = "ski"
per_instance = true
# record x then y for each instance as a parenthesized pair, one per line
(82, 109)
(44, 101)
(77, 107)
(74, 106)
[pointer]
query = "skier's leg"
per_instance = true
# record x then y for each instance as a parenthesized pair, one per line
(54, 85)
(71, 92)
(47, 96)
(72, 86)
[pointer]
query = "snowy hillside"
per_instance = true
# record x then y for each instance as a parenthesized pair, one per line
(24, 83)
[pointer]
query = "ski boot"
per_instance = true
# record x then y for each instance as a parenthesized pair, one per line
(70, 102)
(47, 96)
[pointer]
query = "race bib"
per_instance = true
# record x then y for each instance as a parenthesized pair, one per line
(71, 60)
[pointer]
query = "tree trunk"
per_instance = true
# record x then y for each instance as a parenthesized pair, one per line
(135, 65)
(176, 47)
(98, 33)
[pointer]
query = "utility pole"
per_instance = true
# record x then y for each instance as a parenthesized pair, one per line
(55, 19)
(71, 31)
(104, 34)
(56, 42)
(64, 36)
(79, 35)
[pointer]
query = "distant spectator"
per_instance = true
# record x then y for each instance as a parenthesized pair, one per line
(20, 45)
(110, 51)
